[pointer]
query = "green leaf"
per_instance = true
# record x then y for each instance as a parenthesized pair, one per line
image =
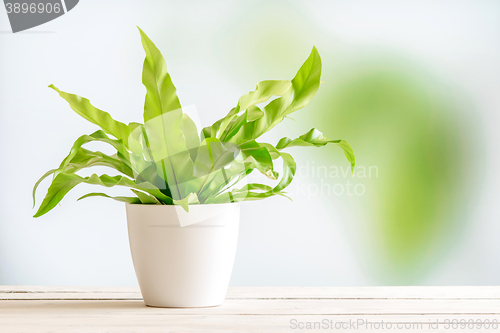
(60, 186)
(110, 181)
(254, 113)
(256, 186)
(191, 199)
(212, 131)
(191, 134)
(245, 193)
(133, 126)
(289, 167)
(143, 165)
(304, 86)
(102, 119)
(223, 178)
(84, 158)
(140, 155)
(146, 198)
(261, 158)
(63, 183)
(311, 138)
(167, 146)
(234, 125)
(263, 92)
(212, 156)
(163, 121)
(48, 173)
(102, 137)
(348, 152)
(130, 200)
(316, 138)
(161, 94)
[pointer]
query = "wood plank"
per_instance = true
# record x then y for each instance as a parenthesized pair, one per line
(64, 289)
(471, 292)
(93, 322)
(414, 292)
(71, 296)
(125, 308)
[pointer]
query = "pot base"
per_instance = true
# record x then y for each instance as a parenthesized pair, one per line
(183, 307)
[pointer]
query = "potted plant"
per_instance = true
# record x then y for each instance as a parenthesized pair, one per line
(183, 213)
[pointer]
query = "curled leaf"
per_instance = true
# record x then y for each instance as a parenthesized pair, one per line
(316, 138)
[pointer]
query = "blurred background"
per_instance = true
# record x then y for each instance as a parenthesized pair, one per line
(413, 86)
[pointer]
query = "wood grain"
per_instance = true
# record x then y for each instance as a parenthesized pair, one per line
(262, 309)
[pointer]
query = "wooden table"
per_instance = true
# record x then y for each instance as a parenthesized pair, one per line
(270, 309)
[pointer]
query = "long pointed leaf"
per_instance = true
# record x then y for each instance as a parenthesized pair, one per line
(59, 187)
(48, 173)
(102, 119)
(130, 200)
(161, 94)
(63, 183)
(304, 86)
(163, 122)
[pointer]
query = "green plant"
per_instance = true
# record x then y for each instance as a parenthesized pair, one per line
(165, 161)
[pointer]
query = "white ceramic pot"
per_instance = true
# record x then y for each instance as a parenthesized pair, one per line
(183, 259)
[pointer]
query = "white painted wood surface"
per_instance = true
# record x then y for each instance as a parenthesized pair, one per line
(259, 309)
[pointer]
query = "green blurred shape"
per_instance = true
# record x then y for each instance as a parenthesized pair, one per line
(395, 115)
(399, 120)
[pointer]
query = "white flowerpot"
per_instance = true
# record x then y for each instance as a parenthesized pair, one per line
(183, 259)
